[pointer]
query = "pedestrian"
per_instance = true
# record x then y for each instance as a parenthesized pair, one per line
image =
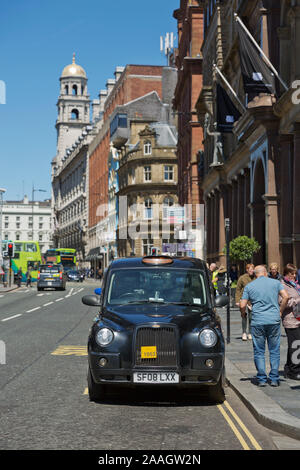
(222, 281)
(242, 282)
(28, 277)
(274, 272)
(290, 322)
(263, 293)
(19, 277)
(233, 277)
(213, 272)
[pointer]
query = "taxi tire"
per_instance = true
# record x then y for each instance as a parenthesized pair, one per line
(96, 391)
(216, 392)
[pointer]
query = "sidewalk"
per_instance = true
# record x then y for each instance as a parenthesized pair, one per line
(276, 408)
(3, 290)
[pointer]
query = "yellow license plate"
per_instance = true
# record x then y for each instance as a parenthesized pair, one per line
(148, 352)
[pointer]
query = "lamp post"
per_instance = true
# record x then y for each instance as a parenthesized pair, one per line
(32, 204)
(2, 191)
(227, 229)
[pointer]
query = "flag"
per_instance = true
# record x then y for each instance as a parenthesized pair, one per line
(227, 113)
(257, 75)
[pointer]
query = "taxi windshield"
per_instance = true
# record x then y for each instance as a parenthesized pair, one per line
(157, 285)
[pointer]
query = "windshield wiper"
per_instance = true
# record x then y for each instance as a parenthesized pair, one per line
(189, 304)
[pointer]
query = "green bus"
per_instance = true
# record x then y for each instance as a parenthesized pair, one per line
(64, 256)
(27, 255)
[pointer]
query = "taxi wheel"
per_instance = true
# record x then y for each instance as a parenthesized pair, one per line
(216, 392)
(96, 391)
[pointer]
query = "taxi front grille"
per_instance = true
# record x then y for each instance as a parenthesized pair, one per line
(164, 339)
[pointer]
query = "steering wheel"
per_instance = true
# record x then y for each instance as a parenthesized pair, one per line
(126, 294)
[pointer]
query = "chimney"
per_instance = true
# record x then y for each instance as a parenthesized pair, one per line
(118, 72)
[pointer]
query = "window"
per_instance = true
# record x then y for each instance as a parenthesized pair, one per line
(147, 148)
(66, 90)
(74, 90)
(147, 245)
(74, 114)
(168, 173)
(147, 173)
(18, 225)
(6, 225)
(167, 203)
(40, 237)
(30, 247)
(148, 208)
(17, 236)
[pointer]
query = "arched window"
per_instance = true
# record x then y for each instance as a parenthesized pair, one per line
(147, 147)
(148, 208)
(66, 89)
(74, 114)
(74, 90)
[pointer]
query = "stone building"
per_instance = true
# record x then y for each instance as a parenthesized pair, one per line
(27, 220)
(147, 189)
(130, 84)
(70, 166)
(189, 62)
(255, 183)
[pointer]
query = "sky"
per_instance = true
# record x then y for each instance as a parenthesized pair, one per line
(38, 38)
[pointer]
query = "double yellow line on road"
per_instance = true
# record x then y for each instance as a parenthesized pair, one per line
(241, 425)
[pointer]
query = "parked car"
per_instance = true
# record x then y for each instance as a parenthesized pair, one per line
(157, 325)
(51, 275)
(75, 276)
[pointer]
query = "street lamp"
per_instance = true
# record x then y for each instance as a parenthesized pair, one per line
(32, 204)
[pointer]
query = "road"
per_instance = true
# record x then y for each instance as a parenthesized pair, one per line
(44, 401)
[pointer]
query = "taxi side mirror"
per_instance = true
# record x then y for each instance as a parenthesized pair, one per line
(221, 301)
(91, 300)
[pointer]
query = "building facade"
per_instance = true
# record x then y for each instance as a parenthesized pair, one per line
(147, 190)
(130, 83)
(254, 183)
(189, 62)
(27, 220)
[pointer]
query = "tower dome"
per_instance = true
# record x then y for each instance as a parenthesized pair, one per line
(73, 70)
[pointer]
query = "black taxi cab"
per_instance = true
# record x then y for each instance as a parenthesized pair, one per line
(157, 325)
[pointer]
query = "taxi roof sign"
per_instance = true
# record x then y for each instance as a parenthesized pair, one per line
(157, 260)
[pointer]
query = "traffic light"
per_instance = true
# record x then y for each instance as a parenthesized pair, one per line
(10, 250)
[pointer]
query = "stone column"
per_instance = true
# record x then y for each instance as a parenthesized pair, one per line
(296, 196)
(240, 204)
(234, 208)
(286, 201)
(247, 228)
(271, 201)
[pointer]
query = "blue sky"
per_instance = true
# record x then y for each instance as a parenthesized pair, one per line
(38, 38)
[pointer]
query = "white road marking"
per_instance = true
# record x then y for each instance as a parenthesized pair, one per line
(14, 316)
(49, 303)
(58, 300)
(40, 295)
(33, 309)
(80, 289)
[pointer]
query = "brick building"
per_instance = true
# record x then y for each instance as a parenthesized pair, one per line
(189, 62)
(130, 83)
(255, 185)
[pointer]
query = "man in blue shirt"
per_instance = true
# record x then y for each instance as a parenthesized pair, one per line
(263, 294)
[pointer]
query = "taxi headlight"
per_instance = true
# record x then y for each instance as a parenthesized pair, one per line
(208, 338)
(104, 337)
